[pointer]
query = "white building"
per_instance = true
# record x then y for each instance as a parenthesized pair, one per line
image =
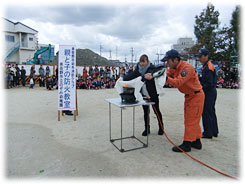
(20, 42)
(182, 44)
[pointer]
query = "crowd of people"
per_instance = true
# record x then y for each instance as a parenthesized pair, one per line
(98, 77)
(15, 77)
(91, 78)
(227, 78)
(101, 78)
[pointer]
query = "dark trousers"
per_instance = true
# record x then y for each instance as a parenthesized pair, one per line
(41, 82)
(23, 80)
(17, 81)
(209, 119)
(14, 81)
(156, 110)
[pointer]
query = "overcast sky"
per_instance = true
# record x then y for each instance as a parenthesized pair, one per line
(148, 28)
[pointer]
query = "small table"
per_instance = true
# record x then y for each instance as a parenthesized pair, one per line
(118, 103)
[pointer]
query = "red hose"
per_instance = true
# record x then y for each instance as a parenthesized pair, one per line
(161, 124)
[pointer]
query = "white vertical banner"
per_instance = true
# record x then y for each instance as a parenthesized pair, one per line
(67, 77)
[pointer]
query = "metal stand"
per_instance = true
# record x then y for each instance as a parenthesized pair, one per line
(117, 102)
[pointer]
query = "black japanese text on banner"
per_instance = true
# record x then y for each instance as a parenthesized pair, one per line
(67, 77)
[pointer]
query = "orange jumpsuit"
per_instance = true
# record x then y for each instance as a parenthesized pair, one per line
(185, 79)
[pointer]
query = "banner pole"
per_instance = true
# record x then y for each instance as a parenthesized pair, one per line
(58, 115)
(76, 104)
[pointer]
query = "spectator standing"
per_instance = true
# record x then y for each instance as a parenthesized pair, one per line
(221, 73)
(7, 72)
(47, 71)
(11, 69)
(17, 75)
(236, 79)
(227, 74)
(91, 72)
(23, 76)
(85, 73)
(122, 71)
(102, 72)
(108, 72)
(96, 72)
(41, 76)
(31, 83)
(127, 69)
(114, 73)
(130, 69)
(32, 74)
(234, 75)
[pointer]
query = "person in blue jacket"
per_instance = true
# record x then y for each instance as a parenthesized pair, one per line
(208, 82)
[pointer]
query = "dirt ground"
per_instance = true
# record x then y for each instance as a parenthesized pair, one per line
(38, 146)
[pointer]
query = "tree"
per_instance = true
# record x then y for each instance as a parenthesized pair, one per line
(235, 27)
(206, 28)
(235, 32)
(223, 44)
(227, 41)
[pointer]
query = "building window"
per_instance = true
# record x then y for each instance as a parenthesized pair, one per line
(9, 38)
(30, 39)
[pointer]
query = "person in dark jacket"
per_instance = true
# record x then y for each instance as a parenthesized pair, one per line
(208, 82)
(227, 75)
(32, 73)
(17, 74)
(23, 76)
(130, 69)
(145, 69)
(41, 76)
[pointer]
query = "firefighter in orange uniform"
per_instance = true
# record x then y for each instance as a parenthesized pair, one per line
(183, 76)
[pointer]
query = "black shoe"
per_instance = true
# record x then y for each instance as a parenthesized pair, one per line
(206, 137)
(216, 135)
(145, 132)
(160, 132)
(196, 144)
(69, 113)
(185, 146)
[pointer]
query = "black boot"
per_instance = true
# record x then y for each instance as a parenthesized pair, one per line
(196, 144)
(145, 131)
(160, 132)
(185, 146)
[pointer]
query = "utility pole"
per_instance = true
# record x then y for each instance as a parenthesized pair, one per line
(100, 49)
(116, 52)
(158, 57)
(110, 54)
(132, 54)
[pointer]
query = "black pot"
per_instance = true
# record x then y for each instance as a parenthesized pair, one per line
(128, 96)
